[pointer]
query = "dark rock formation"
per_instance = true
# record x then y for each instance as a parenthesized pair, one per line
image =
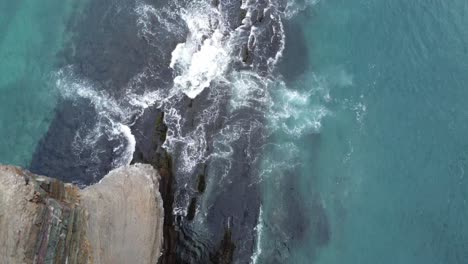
(201, 183)
(225, 253)
(152, 134)
(192, 208)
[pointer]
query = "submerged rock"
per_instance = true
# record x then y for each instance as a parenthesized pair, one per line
(118, 220)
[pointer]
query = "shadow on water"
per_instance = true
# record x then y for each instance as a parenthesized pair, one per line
(295, 216)
(295, 60)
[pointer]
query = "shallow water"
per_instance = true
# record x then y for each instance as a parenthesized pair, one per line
(31, 35)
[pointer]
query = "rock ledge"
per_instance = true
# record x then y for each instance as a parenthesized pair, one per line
(118, 220)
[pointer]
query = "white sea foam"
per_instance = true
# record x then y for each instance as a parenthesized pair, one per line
(360, 109)
(223, 147)
(156, 23)
(289, 153)
(199, 65)
(295, 112)
(205, 54)
(126, 155)
(258, 244)
(249, 90)
(279, 33)
(113, 120)
(294, 7)
(145, 14)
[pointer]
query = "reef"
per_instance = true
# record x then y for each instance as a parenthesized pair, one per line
(118, 220)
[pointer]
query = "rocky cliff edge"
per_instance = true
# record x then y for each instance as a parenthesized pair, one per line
(118, 220)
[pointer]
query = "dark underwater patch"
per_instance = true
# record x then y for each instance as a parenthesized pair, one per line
(55, 154)
(295, 60)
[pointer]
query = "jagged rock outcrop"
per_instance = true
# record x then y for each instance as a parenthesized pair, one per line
(118, 220)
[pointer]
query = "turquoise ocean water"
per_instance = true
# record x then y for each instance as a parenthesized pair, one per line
(32, 33)
(389, 161)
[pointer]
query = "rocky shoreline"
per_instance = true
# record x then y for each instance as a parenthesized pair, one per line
(212, 210)
(118, 220)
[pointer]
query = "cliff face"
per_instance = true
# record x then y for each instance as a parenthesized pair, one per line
(40, 220)
(43, 220)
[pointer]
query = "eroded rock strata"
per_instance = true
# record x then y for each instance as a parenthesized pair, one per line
(118, 220)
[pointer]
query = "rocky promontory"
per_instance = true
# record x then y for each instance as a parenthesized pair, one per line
(118, 220)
